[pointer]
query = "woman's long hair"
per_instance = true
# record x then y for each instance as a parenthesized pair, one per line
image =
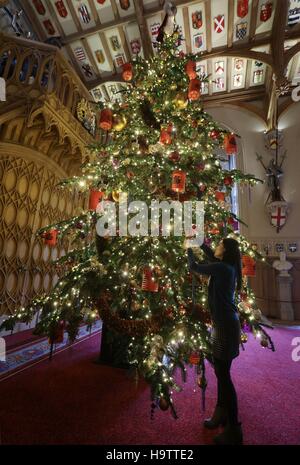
(232, 256)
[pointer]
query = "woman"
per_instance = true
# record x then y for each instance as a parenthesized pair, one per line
(225, 274)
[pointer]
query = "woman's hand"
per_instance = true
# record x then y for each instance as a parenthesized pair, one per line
(185, 243)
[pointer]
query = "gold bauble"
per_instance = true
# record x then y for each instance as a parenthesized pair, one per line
(116, 195)
(181, 101)
(119, 122)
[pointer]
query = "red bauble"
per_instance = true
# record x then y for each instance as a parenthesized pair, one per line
(106, 119)
(228, 181)
(174, 156)
(190, 69)
(127, 73)
(214, 134)
(163, 404)
(95, 198)
(50, 237)
(194, 91)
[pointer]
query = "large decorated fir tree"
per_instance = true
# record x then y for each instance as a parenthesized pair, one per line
(156, 143)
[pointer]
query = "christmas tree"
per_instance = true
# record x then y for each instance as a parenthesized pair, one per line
(155, 143)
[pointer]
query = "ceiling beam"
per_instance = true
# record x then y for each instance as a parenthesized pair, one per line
(253, 20)
(143, 28)
(208, 26)
(186, 22)
(278, 37)
(230, 23)
(290, 53)
(239, 50)
(278, 58)
(248, 95)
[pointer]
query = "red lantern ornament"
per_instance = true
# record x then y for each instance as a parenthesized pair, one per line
(58, 333)
(127, 73)
(148, 281)
(220, 196)
(50, 237)
(178, 181)
(190, 69)
(194, 89)
(106, 119)
(230, 145)
(165, 137)
(214, 134)
(95, 198)
(228, 181)
(249, 266)
(194, 358)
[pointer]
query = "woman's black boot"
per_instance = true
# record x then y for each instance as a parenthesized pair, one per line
(232, 435)
(218, 418)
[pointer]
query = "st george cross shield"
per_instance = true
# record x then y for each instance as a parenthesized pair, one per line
(278, 212)
(62, 11)
(242, 8)
(219, 23)
(197, 19)
(135, 45)
(266, 11)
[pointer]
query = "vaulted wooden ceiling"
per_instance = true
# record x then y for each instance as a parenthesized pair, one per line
(237, 39)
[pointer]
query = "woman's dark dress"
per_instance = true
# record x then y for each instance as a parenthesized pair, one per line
(226, 325)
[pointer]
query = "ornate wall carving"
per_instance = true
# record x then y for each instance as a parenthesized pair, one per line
(29, 201)
(41, 142)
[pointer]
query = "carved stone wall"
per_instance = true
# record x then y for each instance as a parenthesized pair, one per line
(41, 142)
(29, 201)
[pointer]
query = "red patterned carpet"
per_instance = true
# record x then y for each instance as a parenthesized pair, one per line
(73, 401)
